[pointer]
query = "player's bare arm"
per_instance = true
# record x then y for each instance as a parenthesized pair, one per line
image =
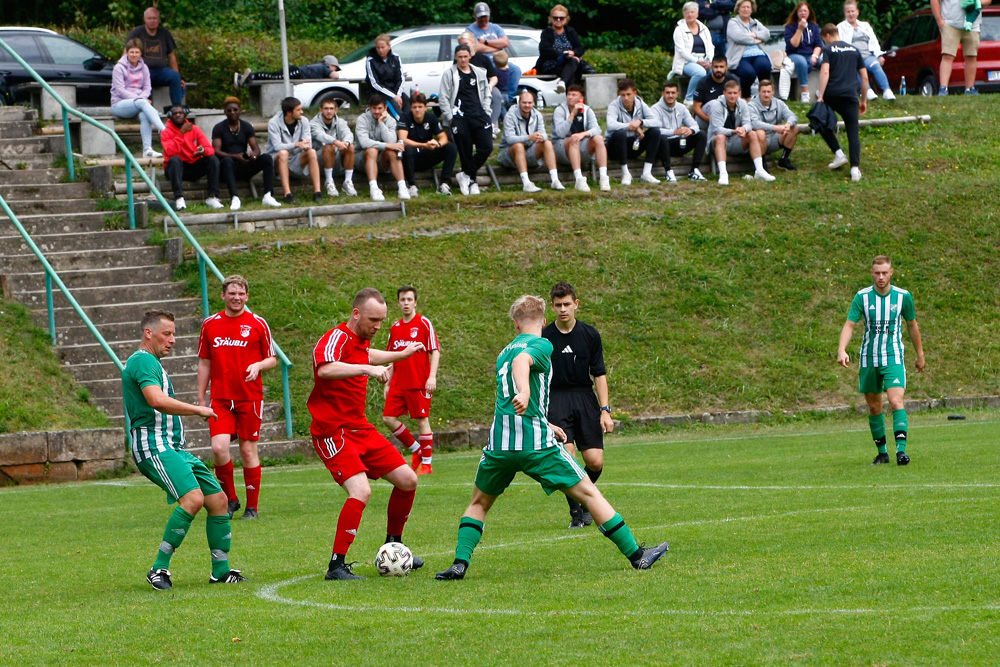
(601, 385)
(162, 403)
(253, 370)
(917, 344)
(388, 379)
(338, 370)
(204, 374)
(520, 372)
(845, 338)
(431, 386)
(385, 357)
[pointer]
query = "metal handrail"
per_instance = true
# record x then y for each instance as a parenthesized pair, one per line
(203, 259)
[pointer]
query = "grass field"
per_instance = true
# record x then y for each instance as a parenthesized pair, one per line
(787, 547)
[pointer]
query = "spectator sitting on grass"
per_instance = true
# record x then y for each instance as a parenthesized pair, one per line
(328, 69)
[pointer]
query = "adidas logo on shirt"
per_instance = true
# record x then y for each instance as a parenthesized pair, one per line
(567, 350)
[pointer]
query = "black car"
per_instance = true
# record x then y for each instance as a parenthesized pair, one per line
(56, 58)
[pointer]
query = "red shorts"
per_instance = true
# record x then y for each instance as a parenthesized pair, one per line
(416, 402)
(239, 418)
(346, 453)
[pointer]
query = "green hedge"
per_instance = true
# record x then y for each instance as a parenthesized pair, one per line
(210, 58)
(649, 69)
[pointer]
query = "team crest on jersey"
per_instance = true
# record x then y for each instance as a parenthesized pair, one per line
(413, 332)
(245, 330)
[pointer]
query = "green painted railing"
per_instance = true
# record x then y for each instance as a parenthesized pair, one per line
(204, 261)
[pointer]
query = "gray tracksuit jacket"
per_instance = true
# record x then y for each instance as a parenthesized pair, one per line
(373, 134)
(765, 118)
(619, 118)
(280, 139)
(561, 122)
(324, 136)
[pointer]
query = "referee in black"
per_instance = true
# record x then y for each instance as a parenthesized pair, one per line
(578, 356)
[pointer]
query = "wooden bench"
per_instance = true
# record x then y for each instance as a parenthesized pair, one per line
(50, 109)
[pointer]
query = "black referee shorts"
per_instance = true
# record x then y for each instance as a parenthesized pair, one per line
(577, 413)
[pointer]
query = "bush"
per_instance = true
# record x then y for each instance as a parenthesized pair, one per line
(649, 69)
(208, 58)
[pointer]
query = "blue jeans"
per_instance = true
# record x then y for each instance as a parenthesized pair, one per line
(513, 83)
(697, 73)
(719, 42)
(164, 76)
(802, 67)
(877, 73)
(148, 118)
(750, 69)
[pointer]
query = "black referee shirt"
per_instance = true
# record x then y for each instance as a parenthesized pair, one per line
(576, 356)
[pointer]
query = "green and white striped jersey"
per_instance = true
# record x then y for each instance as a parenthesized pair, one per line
(152, 431)
(882, 344)
(530, 431)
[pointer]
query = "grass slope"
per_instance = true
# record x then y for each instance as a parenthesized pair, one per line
(786, 547)
(707, 297)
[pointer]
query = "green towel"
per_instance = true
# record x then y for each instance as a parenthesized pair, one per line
(973, 8)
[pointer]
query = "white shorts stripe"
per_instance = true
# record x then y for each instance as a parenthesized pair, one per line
(158, 464)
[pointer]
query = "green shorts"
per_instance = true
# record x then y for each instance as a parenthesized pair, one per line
(552, 467)
(876, 379)
(177, 473)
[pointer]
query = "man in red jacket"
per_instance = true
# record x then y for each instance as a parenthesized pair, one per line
(188, 155)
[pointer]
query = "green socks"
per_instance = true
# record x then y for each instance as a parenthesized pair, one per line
(177, 528)
(220, 537)
(899, 429)
(877, 425)
(616, 531)
(470, 531)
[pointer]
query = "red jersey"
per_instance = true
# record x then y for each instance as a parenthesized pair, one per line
(337, 404)
(412, 372)
(232, 344)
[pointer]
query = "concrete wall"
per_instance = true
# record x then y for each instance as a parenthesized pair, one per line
(60, 456)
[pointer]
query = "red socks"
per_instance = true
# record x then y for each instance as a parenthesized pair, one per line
(400, 504)
(251, 477)
(405, 437)
(225, 475)
(426, 448)
(347, 524)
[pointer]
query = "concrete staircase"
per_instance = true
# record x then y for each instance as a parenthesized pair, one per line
(113, 273)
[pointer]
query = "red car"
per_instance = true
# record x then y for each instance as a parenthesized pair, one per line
(913, 50)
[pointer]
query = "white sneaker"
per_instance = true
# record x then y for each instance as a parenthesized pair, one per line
(463, 182)
(605, 183)
(414, 191)
(149, 152)
(872, 95)
(561, 87)
(804, 97)
(444, 189)
(269, 200)
(581, 185)
(349, 189)
(838, 161)
(331, 189)
(180, 204)
(671, 178)
(762, 175)
(887, 95)
(213, 202)
(649, 178)
(473, 188)
(557, 185)
(377, 195)
(530, 187)
(855, 174)
(696, 175)
(235, 204)
(404, 192)
(724, 179)
(627, 179)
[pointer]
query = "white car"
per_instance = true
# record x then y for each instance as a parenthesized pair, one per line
(426, 53)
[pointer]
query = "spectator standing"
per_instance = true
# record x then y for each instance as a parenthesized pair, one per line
(187, 156)
(693, 49)
(384, 75)
(426, 145)
(746, 55)
(953, 18)
(158, 52)
(715, 15)
(525, 143)
(332, 137)
(862, 37)
(491, 40)
(289, 142)
(679, 134)
(803, 44)
(465, 101)
(576, 136)
(235, 144)
(838, 90)
(633, 129)
(130, 91)
(560, 50)
(497, 96)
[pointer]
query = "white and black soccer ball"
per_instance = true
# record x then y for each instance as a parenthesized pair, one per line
(394, 560)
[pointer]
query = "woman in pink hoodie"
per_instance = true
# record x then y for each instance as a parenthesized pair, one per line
(130, 92)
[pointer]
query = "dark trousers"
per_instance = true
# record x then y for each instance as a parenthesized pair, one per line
(620, 145)
(422, 159)
(469, 133)
(179, 171)
(719, 41)
(749, 70)
(671, 147)
(232, 171)
(164, 76)
(847, 108)
(568, 70)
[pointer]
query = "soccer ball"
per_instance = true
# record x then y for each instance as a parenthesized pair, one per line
(394, 560)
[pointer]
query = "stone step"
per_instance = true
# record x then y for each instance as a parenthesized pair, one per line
(34, 162)
(24, 207)
(91, 353)
(104, 296)
(78, 334)
(111, 386)
(45, 191)
(118, 313)
(16, 129)
(357, 212)
(56, 243)
(11, 148)
(40, 225)
(272, 449)
(85, 259)
(113, 277)
(196, 433)
(15, 113)
(273, 412)
(31, 176)
(106, 369)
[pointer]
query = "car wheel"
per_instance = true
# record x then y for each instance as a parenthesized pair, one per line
(928, 86)
(344, 99)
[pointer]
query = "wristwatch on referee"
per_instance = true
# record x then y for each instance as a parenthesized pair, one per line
(606, 408)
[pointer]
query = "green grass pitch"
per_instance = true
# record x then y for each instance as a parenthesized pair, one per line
(787, 547)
